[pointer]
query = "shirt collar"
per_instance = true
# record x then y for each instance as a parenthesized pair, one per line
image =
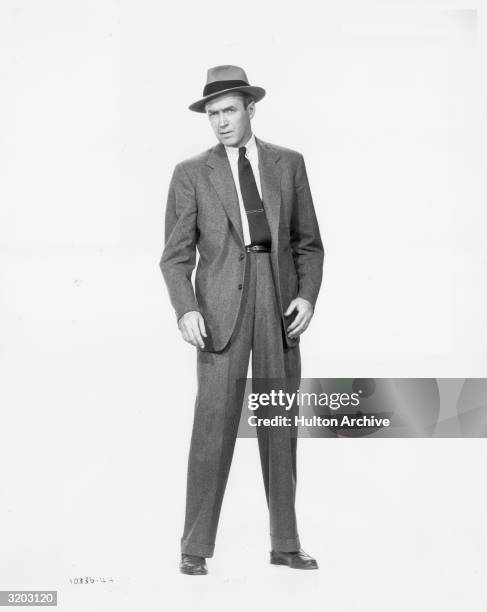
(250, 146)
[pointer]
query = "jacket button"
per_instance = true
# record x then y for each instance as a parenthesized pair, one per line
(241, 256)
(240, 286)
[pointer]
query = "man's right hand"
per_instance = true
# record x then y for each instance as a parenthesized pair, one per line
(192, 328)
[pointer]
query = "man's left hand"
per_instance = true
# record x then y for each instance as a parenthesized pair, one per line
(304, 313)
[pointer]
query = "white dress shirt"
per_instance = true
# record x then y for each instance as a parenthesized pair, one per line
(252, 155)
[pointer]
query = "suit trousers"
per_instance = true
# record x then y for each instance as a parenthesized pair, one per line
(218, 407)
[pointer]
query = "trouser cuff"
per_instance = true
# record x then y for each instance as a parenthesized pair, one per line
(285, 544)
(196, 548)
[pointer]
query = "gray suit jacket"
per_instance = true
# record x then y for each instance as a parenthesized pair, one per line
(203, 213)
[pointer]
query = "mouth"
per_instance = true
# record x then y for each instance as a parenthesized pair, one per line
(225, 133)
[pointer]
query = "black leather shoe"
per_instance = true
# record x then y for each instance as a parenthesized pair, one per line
(193, 565)
(296, 560)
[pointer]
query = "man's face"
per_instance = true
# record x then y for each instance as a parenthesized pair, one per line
(230, 120)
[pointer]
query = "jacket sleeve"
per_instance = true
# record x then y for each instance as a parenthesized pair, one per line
(306, 244)
(179, 256)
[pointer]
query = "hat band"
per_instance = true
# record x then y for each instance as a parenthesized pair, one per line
(217, 86)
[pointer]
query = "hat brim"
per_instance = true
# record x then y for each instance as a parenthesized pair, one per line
(256, 92)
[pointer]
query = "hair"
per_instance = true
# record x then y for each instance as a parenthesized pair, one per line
(247, 98)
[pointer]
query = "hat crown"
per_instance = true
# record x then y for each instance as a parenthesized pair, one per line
(226, 79)
(226, 73)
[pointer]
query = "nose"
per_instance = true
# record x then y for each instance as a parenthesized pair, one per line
(222, 122)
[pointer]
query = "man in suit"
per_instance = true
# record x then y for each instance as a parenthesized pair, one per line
(246, 206)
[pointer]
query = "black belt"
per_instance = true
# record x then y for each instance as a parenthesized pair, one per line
(257, 248)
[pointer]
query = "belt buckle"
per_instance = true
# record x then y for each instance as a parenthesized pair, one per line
(257, 248)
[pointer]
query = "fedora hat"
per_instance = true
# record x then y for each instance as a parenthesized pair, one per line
(225, 79)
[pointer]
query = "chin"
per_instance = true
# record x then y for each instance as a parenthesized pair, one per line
(229, 143)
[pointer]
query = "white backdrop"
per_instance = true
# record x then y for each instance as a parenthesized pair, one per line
(387, 104)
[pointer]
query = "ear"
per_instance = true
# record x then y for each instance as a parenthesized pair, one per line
(251, 109)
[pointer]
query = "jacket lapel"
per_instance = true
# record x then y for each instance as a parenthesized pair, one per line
(270, 180)
(222, 180)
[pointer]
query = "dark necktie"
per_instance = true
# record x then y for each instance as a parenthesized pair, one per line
(258, 226)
